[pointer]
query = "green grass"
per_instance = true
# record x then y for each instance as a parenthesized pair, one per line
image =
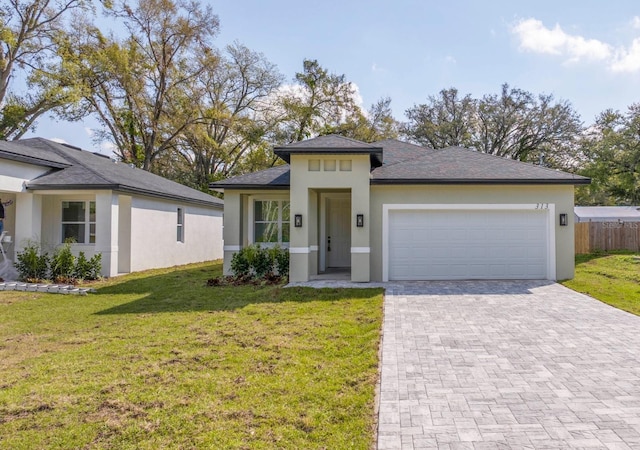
(613, 278)
(160, 360)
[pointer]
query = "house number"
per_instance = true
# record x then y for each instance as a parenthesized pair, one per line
(542, 206)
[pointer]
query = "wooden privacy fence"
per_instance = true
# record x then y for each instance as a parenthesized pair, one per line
(603, 236)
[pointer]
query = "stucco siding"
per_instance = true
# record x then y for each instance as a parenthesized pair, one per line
(154, 240)
(14, 175)
(562, 197)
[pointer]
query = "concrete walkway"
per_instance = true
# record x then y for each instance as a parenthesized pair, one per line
(483, 365)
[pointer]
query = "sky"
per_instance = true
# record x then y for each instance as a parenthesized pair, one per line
(585, 52)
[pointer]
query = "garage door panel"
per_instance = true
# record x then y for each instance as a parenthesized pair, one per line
(461, 244)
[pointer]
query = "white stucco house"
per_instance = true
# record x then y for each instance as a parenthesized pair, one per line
(135, 219)
(397, 211)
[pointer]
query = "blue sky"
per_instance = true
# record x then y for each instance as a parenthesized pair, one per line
(586, 52)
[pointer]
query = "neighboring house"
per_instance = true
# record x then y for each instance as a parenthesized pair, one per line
(135, 219)
(607, 214)
(396, 211)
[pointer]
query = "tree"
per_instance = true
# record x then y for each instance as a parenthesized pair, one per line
(144, 88)
(518, 125)
(515, 124)
(29, 35)
(377, 124)
(611, 149)
(318, 101)
(234, 115)
(445, 120)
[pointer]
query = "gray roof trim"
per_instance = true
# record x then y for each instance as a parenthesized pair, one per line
(375, 153)
(261, 187)
(121, 188)
(32, 160)
(383, 181)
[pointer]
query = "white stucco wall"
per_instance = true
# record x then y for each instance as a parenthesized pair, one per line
(154, 238)
(13, 175)
(143, 234)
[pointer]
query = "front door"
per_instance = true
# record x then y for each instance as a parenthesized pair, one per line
(338, 243)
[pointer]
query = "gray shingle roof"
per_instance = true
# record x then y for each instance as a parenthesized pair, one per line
(14, 151)
(73, 168)
(331, 144)
(406, 163)
(456, 165)
(277, 177)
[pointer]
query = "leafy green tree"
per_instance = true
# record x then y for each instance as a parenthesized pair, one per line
(144, 87)
(611, 152)
(317, 102)
(514, 124)
(235, 114)
(29, 34)
(377, 124)
(446, 120)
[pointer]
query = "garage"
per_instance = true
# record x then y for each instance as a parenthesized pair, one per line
(479, 242)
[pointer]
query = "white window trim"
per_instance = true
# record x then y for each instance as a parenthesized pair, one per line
(87, 222)
(550, 208)
(251, 215)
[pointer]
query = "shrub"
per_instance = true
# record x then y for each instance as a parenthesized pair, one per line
(280, 258)
(63, 264)
(95, 267)
(82, 269)
(261, 263)
(32, 265)
(240, 264)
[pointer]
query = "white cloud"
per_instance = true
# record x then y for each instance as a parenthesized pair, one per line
(627, 60)
(58, 140)
(89, 131)
(450, 59)
(537, 38)
(534, 37)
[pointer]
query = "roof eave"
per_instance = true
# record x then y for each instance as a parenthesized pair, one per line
(505, 181)
(123, 189)
(222, 187)
(32, 160)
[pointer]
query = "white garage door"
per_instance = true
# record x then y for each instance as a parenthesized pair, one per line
(467, 244)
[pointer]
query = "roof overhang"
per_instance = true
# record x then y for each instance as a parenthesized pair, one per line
(32, 160)
(124, 189)
(536, 181)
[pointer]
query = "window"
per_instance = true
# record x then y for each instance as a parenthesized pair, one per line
(79, 222)
(180, 227)
(271, 221)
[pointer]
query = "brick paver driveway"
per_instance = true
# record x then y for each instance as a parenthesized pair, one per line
(507, 365)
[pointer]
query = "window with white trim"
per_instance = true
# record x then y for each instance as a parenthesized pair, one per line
(271, 221)
(180, 225)
(79, 221)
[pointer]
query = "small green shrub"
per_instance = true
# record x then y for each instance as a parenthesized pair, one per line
(82, 269)
(63, 264)
(280, 258)
(95, 267)
(262, 263)
(32, 265)
(240, 264)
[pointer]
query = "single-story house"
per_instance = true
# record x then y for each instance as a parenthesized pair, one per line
(135, 219)
(618, 214)
(397, 211)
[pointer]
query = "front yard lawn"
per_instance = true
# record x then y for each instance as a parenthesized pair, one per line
(160, 360)
(612, 278)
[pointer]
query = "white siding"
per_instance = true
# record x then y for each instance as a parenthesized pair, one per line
(153, 234)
